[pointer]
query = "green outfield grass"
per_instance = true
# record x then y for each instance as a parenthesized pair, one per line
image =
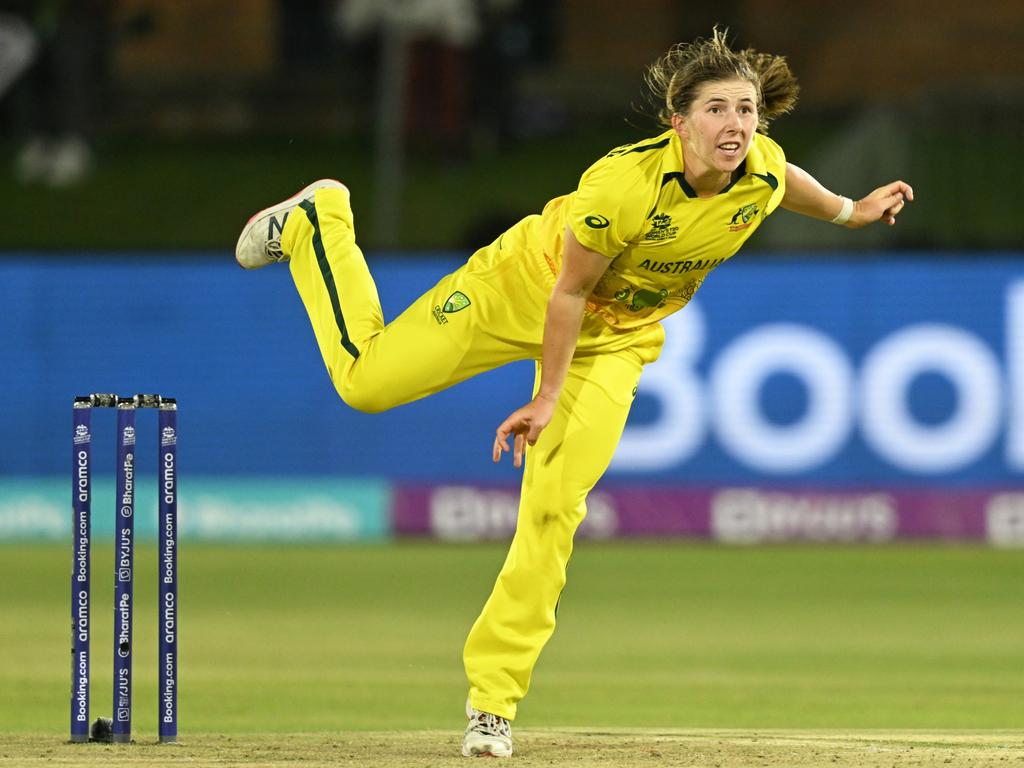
(314, 639)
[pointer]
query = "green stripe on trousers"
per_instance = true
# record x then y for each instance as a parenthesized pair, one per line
(325, 270)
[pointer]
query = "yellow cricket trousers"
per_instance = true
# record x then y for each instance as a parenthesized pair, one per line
(487, 313)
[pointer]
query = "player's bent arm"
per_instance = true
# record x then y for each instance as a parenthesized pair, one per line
(806, 196)
(581, 271)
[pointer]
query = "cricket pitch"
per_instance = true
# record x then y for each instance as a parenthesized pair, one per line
(547, 747)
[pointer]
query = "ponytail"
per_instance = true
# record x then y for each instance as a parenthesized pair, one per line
(779, 88)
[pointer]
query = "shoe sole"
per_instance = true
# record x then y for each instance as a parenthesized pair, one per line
(486, 754)
(472, 752)
(282, 206)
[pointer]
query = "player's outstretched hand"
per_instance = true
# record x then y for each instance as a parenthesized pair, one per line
(526, 424)
(881, 205)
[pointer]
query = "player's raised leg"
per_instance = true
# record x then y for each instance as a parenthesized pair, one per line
(462, 326)
(333, 279)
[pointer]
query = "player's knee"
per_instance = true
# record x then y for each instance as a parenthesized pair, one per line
(364, 403)
(557, 510)
(363, 399)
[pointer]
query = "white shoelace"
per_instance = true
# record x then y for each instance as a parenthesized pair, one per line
(273, 249)
(490, 725)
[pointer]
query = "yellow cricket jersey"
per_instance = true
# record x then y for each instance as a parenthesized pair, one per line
(634, 206)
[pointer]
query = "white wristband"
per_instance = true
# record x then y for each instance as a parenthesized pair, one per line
(845, 212)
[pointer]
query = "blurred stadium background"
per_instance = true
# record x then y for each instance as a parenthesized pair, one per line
(826, 386)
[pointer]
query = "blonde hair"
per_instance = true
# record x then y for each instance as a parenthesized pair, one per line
(674, 79)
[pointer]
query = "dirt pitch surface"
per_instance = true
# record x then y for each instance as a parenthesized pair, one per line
(549, 747)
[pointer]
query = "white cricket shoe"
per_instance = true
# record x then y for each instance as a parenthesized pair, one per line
(486, 735)
(260, 241)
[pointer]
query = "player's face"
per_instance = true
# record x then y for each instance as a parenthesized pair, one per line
(719, 127)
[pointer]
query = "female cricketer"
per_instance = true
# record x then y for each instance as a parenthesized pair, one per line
(580, 289)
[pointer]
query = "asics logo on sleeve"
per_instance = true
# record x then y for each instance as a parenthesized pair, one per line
(596, 222)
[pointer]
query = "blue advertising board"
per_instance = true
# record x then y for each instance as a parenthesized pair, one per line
(840, 372)
(833, 372)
